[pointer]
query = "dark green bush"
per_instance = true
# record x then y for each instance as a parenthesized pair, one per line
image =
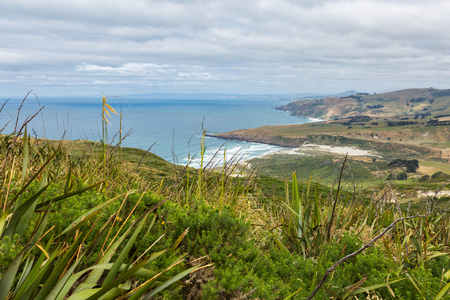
(402, 176)
(243, 266)
(411, 168)
(424, 178)
(438, 175)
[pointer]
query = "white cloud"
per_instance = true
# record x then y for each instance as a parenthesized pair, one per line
(291, 46)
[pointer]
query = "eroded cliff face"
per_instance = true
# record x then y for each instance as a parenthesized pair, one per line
(327, 108)
(333, 140)
(404, 102)
(264, 139)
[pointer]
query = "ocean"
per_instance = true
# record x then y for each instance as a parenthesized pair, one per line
(172, 129)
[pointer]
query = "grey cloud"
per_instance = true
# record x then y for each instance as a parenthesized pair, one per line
(224, 44)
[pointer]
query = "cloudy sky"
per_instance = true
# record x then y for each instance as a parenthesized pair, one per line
(89, 47)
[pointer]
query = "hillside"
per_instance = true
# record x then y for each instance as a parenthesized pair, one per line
(408, 122)
(371, 141)
(382, 135)
(397, 103)
(85, 220)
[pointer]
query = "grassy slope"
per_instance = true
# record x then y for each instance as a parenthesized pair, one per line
(425, 143)
(396, 103)
(431, 167)
(377, 136)
(146, 163)
(416, 140)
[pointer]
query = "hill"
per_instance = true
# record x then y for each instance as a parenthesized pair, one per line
(403, 102)
(408, 122)
(422, 134)
(427, 137)
(85, 220)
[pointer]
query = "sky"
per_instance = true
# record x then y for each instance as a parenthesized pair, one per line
(122, 47)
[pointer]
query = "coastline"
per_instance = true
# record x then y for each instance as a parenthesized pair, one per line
(299, 145)
(350, 151)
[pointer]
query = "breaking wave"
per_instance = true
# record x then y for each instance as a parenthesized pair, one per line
(232, 152)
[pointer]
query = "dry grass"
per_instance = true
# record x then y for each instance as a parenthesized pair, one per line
(431, 167)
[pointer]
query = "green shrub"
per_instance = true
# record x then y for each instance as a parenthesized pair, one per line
(438, 175)
(241, 264)
(424, 178)
(9, 248)
(411, 169)
(402, 176)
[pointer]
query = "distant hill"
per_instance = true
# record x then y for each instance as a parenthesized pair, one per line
(221, 96)
(397, 103)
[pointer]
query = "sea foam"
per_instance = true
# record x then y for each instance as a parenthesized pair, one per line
(235, 152)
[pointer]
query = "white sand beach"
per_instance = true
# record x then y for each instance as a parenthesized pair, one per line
(431, 194)
(351, 151)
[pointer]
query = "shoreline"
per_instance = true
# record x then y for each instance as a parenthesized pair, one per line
(305, 146)
(350, 151)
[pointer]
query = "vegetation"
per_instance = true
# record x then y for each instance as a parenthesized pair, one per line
(411, 165)
(68, 229)
(397, 103)
(86, 221)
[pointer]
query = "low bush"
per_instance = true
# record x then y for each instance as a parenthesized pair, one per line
(424, 178)
(438, 175)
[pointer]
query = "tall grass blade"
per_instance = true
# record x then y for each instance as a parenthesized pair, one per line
(58, 289)
(124, 254)
(170, 282)
(293, 294)
(27, 216)
(366, 289)
(33, 277)
(442, 292)
(8, 277)
(25, 154)
(44, 273)
(31, 180)
(353, 287)
(57, 270)
(41, 224)
(28, 266)
(68, 195)
(20, 212)
(75, 277)
(179, 239)
(120, 279)
(94, 277)
(85, 294)
(415, 284)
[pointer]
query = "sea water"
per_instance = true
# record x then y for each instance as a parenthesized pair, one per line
(172, 129)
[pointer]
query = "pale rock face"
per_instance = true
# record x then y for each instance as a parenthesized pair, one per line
(350, 151)
(421, 194)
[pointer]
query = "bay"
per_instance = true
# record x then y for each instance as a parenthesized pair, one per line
(171, 129)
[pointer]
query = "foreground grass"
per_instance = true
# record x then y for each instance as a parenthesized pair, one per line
(254, 238)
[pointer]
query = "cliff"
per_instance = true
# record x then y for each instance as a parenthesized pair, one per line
(403, 102)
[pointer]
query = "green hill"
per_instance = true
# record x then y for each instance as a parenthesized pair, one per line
(373, 136)
(403, 102)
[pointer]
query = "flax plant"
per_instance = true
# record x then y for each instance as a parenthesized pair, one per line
(302, 219)
(50, 262)
(106, 109)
